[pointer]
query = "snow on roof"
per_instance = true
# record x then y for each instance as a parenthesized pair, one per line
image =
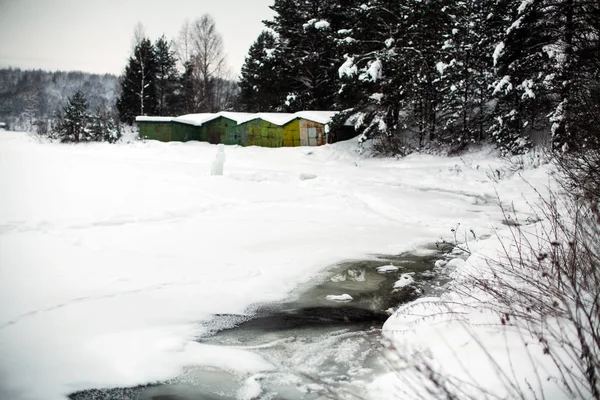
(274, 118)
(196, 119)
(322, 117)
(235, 116)
(143, 118)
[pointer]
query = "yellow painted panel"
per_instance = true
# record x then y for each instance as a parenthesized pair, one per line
(291, 134)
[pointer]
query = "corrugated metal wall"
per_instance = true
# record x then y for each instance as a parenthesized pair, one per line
(221, 130)
(312, 133)
(155, 130)
(183, 132)
(291, 134)
(257, 132)
(260, 133)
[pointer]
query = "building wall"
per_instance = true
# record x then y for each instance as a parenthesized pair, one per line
(291, 134)
(184, 132)
(221, 130)
(312, 133)
(260, 133)
(155, 130)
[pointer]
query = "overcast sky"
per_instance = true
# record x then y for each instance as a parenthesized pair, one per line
(95, 35)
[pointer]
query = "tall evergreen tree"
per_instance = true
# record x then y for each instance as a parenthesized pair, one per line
(138, 85)
(166, 78)
(187, 100)
(308, 49)
(73, 122)
(547, 65)
(391, 69)
(262, 88)
(465, 70)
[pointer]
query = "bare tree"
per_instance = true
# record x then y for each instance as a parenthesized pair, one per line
(183, 44)
(209, 61)
(139, 34)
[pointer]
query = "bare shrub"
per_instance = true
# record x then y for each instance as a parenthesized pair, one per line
(542, 288)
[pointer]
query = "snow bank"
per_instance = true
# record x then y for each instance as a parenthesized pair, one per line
(459, 336)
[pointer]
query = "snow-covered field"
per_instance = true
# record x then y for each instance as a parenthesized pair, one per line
(112, 255)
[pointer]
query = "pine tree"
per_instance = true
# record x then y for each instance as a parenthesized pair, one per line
(187, 100)
(547, 65)
(73, 124)
(391, 70)
(166, 80)
(103, 127)
(308, 50)
(465, 69)
(138, 85)
(262, 88)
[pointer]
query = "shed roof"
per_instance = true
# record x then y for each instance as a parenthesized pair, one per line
(274, 118)
(235, 116)
(195, 119)
(144, 118)
(322, 117)
(280, 119)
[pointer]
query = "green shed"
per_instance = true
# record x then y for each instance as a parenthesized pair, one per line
(190, 126)
(264, 129)
(223, 127)
(155, 128)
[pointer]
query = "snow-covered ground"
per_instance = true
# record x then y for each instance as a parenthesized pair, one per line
(112, 255)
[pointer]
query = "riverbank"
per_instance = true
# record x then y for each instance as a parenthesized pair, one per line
(113, 257)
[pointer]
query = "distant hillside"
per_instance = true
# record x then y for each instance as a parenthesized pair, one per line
(33, 97)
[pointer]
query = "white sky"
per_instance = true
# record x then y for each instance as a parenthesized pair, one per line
(95, 35)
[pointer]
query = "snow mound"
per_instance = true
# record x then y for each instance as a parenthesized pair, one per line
(387, 268)
(405, 280)
(342, 298)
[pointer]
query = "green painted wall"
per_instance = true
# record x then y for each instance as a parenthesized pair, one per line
(260, 133)
(221, 130)
(183, 132)
(153, 130)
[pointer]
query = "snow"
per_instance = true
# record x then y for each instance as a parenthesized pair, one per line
(348, 68)
(377, 97)
(498, 51)
(503, 84)
(114, 258)
(387, 268)
(405, 280)
(441, 67)
(196, 119)
(279, 119)
(234, 116)
(342, 298)
(523, 6)
(322, 24)
(375, 69)
(527, 86)
(251, 389)
(219, 161)
(322, 117)
(458, 335)
(153, 119)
